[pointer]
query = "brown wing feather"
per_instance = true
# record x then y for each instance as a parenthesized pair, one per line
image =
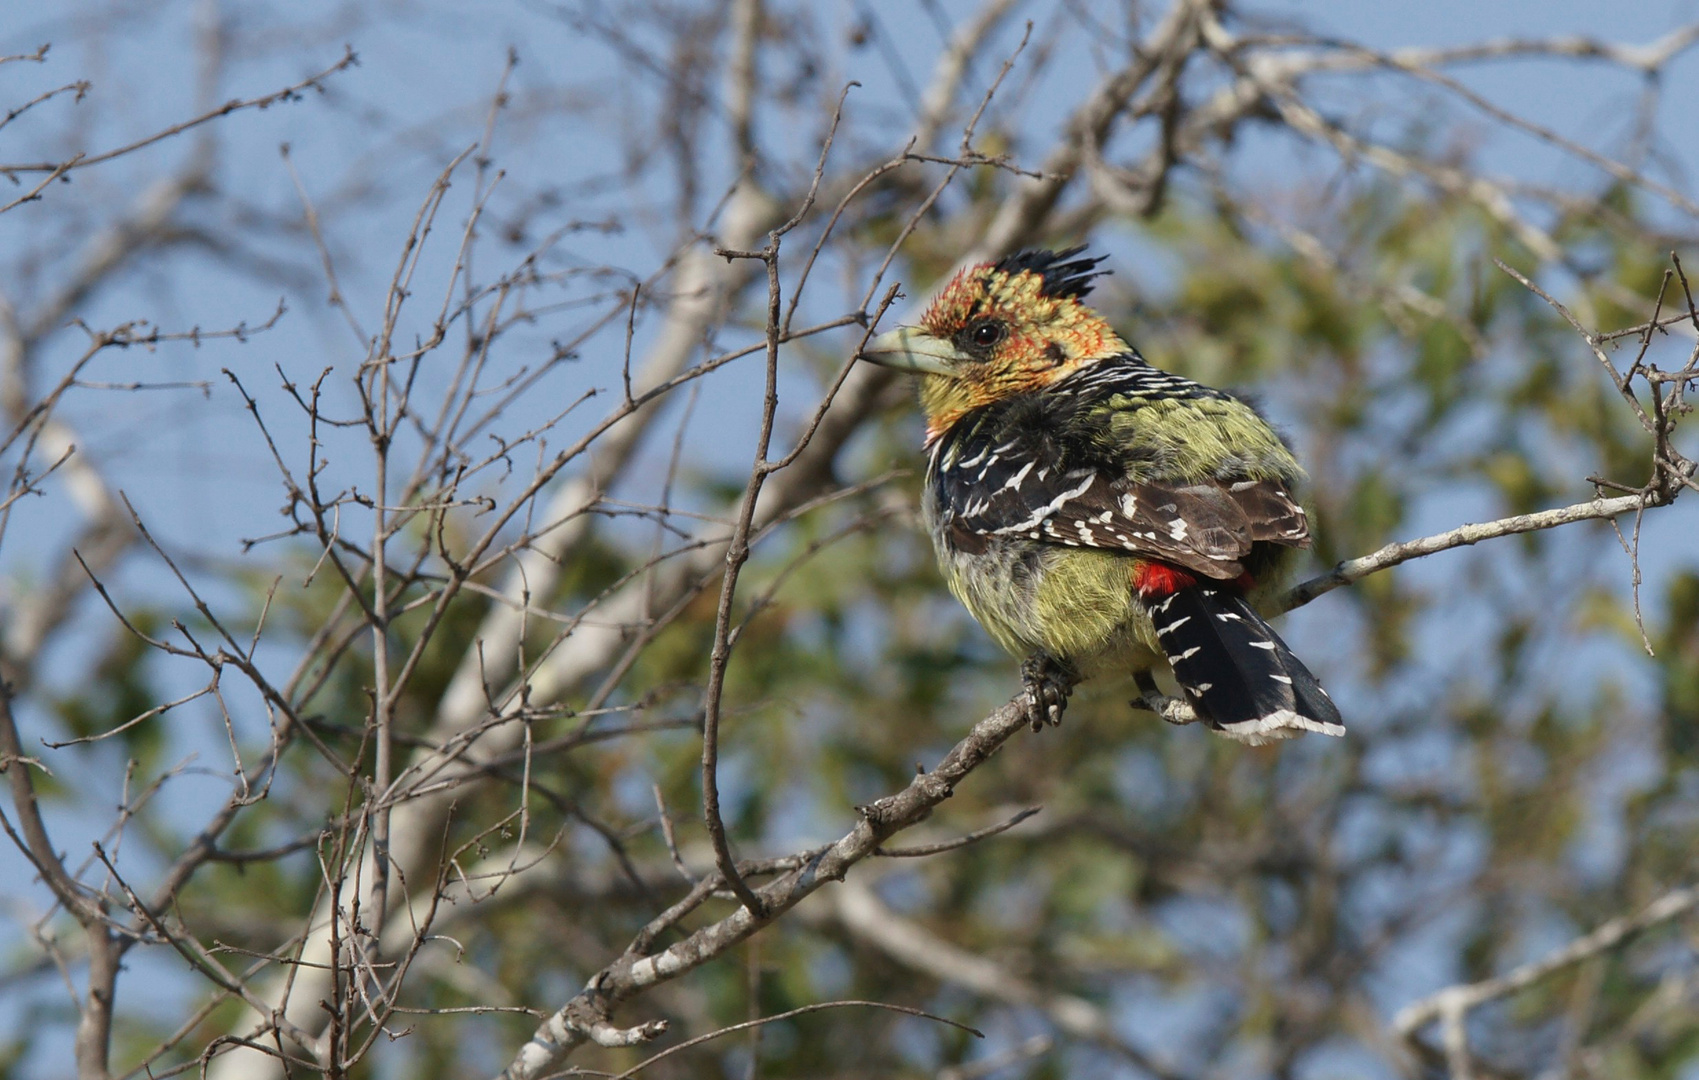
(994, 484)
(1200, 527)
(1206, 528)
(1274, 515)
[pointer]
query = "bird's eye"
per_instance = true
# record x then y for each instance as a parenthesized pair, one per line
(987, 334)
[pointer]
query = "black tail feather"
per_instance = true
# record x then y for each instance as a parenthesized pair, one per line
(1238, 674)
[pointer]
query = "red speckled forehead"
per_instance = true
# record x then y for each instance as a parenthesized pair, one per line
(983, 290)
(1034, 319)
(1048, 337)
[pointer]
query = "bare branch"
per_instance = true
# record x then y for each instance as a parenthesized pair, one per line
(1454, 1002)
(1354, 570)
(628, 976)
(288, 93)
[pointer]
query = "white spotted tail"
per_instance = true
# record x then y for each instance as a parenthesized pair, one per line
(1240, 678)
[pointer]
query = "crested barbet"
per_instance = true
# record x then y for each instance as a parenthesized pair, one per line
(1095, 513)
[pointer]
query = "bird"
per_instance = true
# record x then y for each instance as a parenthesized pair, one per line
(1097, 513)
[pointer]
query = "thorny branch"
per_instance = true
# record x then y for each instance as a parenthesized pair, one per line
(737, 550)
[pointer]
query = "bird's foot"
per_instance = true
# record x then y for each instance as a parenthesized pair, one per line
(1176, 711)
(1047, 683)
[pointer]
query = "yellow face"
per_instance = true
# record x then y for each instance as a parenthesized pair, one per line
(990, 334)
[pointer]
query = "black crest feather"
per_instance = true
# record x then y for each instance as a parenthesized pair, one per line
(1061, 276)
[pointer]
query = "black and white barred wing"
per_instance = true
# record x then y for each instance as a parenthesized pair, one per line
(1004, 490)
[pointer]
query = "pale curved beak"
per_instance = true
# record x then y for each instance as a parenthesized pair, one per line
(909, 348)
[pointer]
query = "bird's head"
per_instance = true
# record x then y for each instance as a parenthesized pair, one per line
(999, 329)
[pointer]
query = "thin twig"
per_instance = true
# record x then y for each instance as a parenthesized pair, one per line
(288, 93)
(920, 850)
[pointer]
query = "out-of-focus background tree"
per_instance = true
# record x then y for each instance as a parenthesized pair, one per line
(381, 385)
